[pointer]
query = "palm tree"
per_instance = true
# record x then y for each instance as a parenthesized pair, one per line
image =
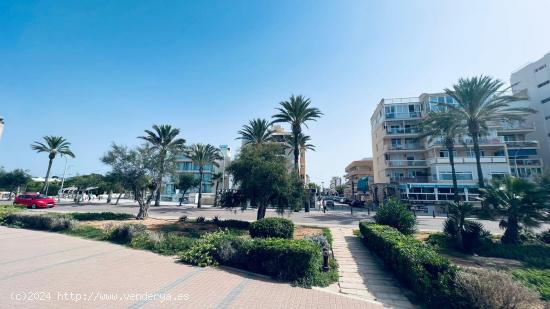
(521, 202)
(163, 139)
(296, 112)
(303, 142)
(480, 100)
(217, 177)
(447, 125)
(256, 132)
(203, 155)
(53, 145)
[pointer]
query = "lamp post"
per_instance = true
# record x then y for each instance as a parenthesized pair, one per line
(62, 181)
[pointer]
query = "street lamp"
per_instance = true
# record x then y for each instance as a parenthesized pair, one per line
(62, 180)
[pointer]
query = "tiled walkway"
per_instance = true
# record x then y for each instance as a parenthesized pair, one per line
(362, 274)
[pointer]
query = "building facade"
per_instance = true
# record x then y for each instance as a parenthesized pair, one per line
(359, 175)
(533, 80)
(281, 136)
(418, 170)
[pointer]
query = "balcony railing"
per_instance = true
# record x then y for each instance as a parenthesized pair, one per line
(393, 131)
(406, 115)
(525, 161)
(405, 163)
(416, 179)
(494, 140)
(521, 144)
(460, 160)
(404, 147)
(516, 126)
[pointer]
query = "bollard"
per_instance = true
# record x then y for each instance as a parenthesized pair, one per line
(325, 259)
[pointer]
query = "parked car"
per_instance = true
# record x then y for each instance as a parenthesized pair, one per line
(345, 200)
(357, 203)
(33, 200)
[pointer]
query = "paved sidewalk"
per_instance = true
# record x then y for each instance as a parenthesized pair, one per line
(50, 270)
(362, 274)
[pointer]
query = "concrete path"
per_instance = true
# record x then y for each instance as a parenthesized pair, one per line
(49, 270)
(362, 274)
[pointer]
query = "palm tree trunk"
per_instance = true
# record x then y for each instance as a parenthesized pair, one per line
(450, 149)
(110, 196)
(511, 235)
(118, 198)
(161, 172)
(478, 160)
(459, 241)
(296, 153)
(47, 177)
(200, 188)
(261, 210)
(216, 194)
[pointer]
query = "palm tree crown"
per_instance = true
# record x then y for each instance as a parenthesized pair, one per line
(257, 132)
(480, 100)
(296, 112)
(53, 145)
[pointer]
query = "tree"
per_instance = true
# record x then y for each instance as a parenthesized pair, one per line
(186, 181)
(134, 170)
(340, 189)
(458, 227)
(296, 112)
(203, 155)
(13, 180)
(257, 132)
(480, 100)
(447, 125)
(521, 202)
(217, 178)
(53, 145)
(164, 139)
(261, 173)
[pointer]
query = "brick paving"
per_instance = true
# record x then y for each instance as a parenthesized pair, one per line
(363, 275)
(49, 270)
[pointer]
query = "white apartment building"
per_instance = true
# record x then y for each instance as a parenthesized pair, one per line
(419, 171)
(534, 80)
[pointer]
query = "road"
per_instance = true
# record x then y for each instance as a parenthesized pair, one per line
(50, 270)
(340, 216)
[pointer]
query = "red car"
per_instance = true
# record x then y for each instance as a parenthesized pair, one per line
(34, 200)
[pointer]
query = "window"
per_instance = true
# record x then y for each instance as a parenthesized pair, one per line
(445, 153)
(449, 100)
(543, 84)
(540, 68)
(545, 100)
(459, 176)
(547, 117)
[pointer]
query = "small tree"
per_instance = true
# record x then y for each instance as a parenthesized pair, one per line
(522, 203)
(466, 233)
(186, 182)
(396, 215)
(261, 173)
(13, 180)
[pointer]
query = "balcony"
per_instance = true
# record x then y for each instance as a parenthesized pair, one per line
(525, 161)
(468, 141)
(463, 160)
(522, 144)
(517, 127)
(396, 131)
(406, 163)
(406, 115)
(416, 179)
(394, 147)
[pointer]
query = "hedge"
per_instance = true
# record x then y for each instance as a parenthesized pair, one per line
(99, 216)
(43, 222)
(272, 227)
(417, 266)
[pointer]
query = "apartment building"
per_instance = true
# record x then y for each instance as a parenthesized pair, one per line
(280, 135)
(418, 170)
(359, 175)
(534, 81)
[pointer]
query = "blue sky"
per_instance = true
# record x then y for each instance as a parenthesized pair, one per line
(98, 72)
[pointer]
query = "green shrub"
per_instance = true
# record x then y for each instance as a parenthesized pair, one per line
(473, 233)
(5, 210)
(86, 231)
(533, 254)
(396, 215)
(45, 222)
(537, 279)
(172, 244)
(200, 220)
(482, 288)
(202, 253)
(417, 265)
(125, 233)
(319, 240)
(272, 227)
(231, 223)
(328, 235)
(100, 216)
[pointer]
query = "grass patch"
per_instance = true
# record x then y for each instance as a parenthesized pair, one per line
(100, 216)
(536, 279)
(88, 232)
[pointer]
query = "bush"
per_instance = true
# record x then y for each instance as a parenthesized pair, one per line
(100, 216)
(534, 254)
(172, 244)
(537, 279)
(125, 233)
(272, 227)
(43, 222)
(396, 215)
(5, 210)
(481, 288)
(200, 220)
(417, 265)
(202, 253)
(544, 236)
(182, 219)
(473, 233)
(319, 240)
(230, 223)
